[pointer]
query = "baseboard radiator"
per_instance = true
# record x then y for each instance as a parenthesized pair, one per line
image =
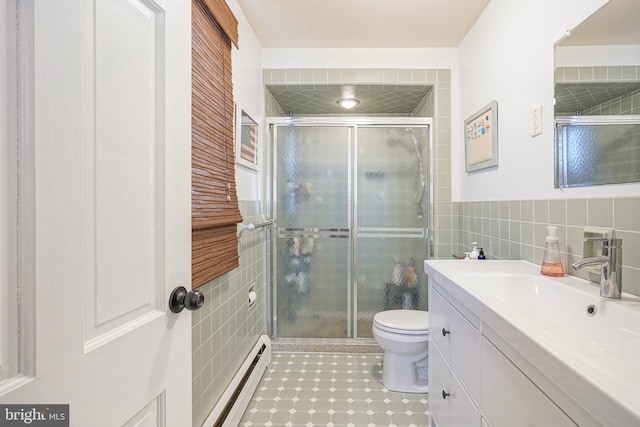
(234, 401)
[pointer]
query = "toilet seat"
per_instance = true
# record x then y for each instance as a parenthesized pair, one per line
(407, 322)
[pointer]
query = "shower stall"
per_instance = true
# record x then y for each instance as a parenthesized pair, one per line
(352, 200)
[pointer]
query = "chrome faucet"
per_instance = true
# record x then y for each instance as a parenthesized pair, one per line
(611, 266)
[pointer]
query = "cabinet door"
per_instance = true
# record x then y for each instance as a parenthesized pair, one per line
(458, 340)
(463, 412)
(439, 379)
(510, 399)
(439, 325)
(449, 404)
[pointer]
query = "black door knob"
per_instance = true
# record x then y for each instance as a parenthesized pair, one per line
(445, 332)
(181, 298)
(445, 394)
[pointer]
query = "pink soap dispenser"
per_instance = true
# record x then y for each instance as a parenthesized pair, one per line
(551, 264)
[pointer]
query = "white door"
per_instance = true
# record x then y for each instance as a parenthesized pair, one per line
(104, 220)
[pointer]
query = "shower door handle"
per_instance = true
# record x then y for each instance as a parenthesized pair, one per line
(181, 299)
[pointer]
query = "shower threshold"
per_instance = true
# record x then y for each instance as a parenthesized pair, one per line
(326, 345)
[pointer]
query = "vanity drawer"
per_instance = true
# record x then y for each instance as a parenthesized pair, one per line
(439, 378)
(457, 339)
(454, 408)
(510, 399)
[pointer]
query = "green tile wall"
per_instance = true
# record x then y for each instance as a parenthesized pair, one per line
(516, 229)
(597, 74)
(436, 104)
(272, 108)
(225, 329)
(628, 104)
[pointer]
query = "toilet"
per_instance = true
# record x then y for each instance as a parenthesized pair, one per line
(404, 337)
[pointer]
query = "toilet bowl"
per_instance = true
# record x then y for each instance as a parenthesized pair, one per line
(404, 337)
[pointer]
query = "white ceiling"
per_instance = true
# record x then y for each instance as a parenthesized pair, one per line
(361, 23)
(615, 23)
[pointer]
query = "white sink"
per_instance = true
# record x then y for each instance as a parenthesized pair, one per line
(577, 330)
(567, 304)
(571, 315)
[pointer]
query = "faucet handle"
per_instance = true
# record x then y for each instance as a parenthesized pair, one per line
(595, 239)
(609, 242)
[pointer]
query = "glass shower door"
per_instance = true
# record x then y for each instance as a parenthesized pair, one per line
(312, 197)
(391, 221)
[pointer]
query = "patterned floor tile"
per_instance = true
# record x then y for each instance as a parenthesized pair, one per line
(333, 390)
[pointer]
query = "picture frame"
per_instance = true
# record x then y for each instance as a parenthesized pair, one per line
(481, 138)
(247, 140)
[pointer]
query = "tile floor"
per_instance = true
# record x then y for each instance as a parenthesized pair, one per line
(322, 389)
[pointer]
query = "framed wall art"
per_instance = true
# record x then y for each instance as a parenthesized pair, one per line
(246, 140)
(481, 138)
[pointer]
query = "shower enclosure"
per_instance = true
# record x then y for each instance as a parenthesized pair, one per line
(352, 202)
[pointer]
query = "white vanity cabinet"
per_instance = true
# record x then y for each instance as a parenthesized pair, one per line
(510, 399)
(450, 405)
(458, 338)
(454, 365)
(472, 383)
(523, 349)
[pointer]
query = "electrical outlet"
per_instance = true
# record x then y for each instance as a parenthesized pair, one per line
(536, 121)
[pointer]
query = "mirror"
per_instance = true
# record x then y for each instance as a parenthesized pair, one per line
(597, 98)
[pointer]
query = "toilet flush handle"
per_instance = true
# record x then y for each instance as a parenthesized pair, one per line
(445, 332)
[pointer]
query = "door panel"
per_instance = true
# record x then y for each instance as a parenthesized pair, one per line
(392, 188)
(392, 220)
(312, 290)
(312, 177)
(148, 416)
(9, 355)
(389, 276)
(312, 256)
(110, 166)
(125, 159)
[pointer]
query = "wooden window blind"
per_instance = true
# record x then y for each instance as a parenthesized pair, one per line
(214, 203)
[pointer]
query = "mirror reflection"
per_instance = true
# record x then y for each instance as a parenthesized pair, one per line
(597, 98)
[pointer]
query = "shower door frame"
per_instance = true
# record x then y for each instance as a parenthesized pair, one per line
(352, 221)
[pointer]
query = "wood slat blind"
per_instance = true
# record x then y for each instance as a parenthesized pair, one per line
(225, 18)
(214, 203)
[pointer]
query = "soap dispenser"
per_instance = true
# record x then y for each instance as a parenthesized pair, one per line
(551, 264)
(481, 254)
(474, 253)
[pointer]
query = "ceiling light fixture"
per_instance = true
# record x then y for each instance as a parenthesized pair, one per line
(348, 103)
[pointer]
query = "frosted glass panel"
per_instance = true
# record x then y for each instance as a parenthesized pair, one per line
(312, 168)
(590, 154)
(392, 177)
(351, 204)
(389, 276)
(312, 282)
